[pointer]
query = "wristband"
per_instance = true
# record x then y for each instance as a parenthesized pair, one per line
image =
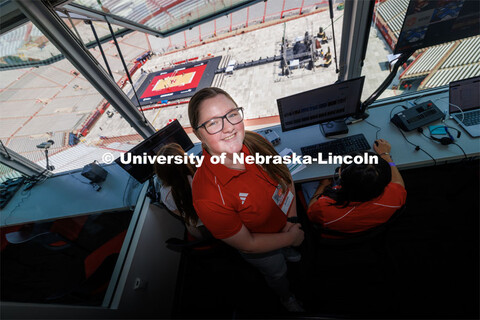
(292, 219)
(385, 153)
(392, 164)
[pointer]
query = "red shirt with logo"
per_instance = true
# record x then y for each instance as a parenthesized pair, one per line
(358, 216)
(226, 198)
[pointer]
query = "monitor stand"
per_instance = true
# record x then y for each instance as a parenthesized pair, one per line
(333, 128)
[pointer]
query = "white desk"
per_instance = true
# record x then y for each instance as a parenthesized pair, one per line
(70, 194)
(403, 153)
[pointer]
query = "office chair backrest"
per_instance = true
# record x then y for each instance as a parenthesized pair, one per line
(346, 238)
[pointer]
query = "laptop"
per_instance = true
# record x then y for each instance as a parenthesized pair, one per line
(464, 102)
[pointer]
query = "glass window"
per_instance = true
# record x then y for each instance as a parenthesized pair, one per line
(427, 68)
(161, 16)
(7, 174)
(24, 45)
(56, 103)
(27, 46)
(260, 28)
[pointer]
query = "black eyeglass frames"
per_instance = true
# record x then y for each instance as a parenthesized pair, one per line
(215, 125)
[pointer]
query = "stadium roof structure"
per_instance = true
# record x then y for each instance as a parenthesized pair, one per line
(23, 45)
(157, 17)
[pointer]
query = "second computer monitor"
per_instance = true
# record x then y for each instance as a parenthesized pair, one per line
(172, 133)
(321, 105)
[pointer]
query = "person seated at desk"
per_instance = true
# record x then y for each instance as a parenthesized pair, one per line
(176, 190)
(367, 195)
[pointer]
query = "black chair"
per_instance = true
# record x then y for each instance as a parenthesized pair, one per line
(365, 247)
(350, 238)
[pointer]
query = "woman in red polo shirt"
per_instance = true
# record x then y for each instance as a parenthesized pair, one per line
(245, 205)
(366, 195)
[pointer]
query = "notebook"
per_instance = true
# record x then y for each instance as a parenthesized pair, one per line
(464, 102)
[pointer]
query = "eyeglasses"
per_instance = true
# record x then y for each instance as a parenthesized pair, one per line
(215, 125)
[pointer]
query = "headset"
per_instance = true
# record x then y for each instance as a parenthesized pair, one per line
(337, 179)
(445, 141)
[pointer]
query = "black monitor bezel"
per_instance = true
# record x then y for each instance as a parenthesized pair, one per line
(176, 128)
(447, 36)
(358, 108)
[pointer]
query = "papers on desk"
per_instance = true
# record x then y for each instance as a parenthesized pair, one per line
(293, 167)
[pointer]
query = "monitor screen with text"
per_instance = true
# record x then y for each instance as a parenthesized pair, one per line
(332, 102)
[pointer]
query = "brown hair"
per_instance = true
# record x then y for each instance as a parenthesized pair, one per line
(254, 142)
(198, 98)
(176, 176)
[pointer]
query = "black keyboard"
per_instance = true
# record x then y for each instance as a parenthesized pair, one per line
(340, 146)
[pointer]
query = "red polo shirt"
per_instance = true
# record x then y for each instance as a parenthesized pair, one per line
(358, 216)
(227, 198)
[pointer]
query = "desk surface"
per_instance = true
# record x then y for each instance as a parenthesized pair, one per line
(70, 194)
(402, 152)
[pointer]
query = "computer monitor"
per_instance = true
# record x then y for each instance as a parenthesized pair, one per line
(322, 106)
(428, 23)
(464, 95)
(173, 132)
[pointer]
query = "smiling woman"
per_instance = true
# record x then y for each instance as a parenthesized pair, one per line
(217, 135)
(245, 205)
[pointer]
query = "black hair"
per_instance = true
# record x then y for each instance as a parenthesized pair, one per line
(360, 182)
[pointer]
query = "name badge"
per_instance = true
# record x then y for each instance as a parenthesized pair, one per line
(283, 200)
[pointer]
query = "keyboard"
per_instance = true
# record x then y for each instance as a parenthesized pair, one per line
(340, 146)
(471, 118)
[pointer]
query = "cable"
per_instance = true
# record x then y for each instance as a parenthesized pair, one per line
(425, 135)
(464, 154)
(463, 151)
(398, 105)
(415, 101)
(463, 115)
(446, 129)
(450, 104)
(26, 194)
(417, 147)
(71, 174)
(36, 180)
(378, 129)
